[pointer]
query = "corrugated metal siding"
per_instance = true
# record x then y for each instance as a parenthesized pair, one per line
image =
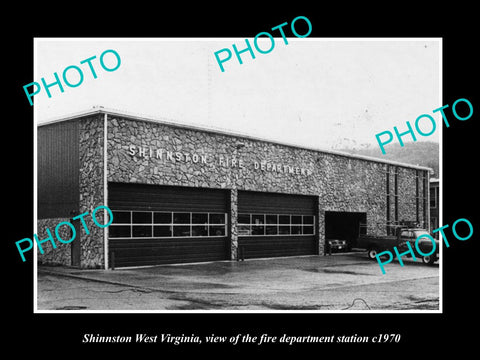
(58, 169)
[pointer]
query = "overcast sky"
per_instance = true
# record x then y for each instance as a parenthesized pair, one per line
(313, 92)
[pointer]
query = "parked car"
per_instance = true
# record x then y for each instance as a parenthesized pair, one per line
(424, 244)
(336, 245)
(377, 244)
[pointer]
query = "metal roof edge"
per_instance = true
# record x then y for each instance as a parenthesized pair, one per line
(72, 116)
(169, 122)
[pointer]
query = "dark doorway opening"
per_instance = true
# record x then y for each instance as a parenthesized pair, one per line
(341, 225)
(75, 245)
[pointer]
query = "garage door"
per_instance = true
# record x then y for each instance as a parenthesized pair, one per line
(271, 225)
(165, 224)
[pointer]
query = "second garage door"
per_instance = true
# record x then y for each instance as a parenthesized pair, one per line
(271, 224)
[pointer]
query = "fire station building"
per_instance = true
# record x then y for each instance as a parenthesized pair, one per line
(182, 194)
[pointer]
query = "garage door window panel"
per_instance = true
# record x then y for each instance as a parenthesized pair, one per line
(122, 217)
(162, 231)
(218, 219)
(284, 230)
(296, 230)
(275, 224)
(217, 230)
(141, 224)
(199, 218)
(308, 219)
(181, 230)
(284, 220)
(121, 224)
(120, 231)
(258, 219)
(308, 230)
(162, 217)
(297, 220)
(141, 217)
(156, 224)
(181, 218)
(271, 230)
(142, 231)
(200, 230)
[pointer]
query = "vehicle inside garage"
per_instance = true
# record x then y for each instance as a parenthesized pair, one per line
(343, 225)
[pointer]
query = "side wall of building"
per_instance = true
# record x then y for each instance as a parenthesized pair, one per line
(70, 182)
(57, 188)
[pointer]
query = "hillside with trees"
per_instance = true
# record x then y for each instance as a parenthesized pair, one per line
(415, 153)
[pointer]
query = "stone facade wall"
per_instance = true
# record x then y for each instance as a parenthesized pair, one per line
(155, 153)
(407, 195)
(353, 185)
(91, 190)
(407, 205)
(215, 148)
(61, 255)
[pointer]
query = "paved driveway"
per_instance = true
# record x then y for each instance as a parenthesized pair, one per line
(338, 282)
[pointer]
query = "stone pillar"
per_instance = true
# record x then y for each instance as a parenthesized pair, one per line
(321, 227)
(91, 190)
(233, 223)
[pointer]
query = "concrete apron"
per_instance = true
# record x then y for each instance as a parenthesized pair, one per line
(290, 274)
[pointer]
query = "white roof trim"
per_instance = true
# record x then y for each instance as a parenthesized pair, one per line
(170, 122)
